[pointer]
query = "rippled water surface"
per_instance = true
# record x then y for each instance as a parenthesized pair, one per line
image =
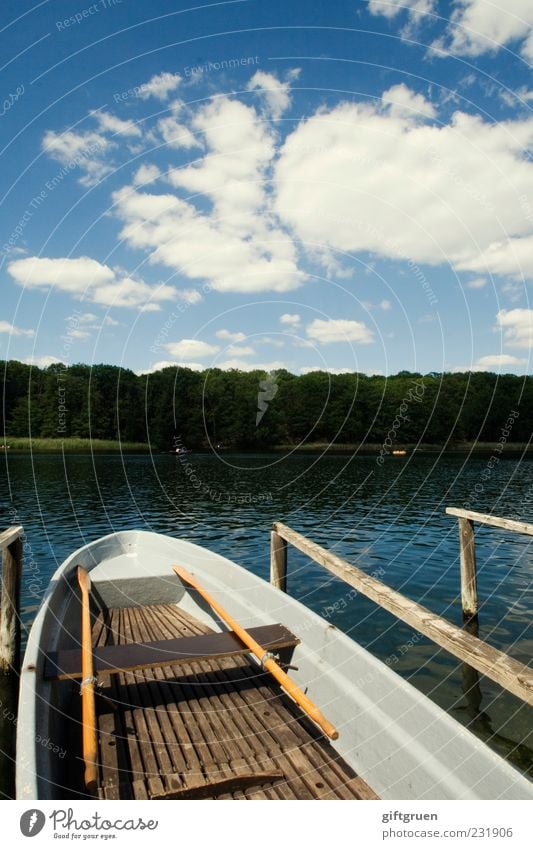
(389, 520)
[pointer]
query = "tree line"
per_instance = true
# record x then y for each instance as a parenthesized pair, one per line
(252, 410)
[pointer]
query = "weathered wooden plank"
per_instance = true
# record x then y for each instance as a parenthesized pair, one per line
(230, 699)
(278, 562)
(494, 521)
(505, 671)
(467, 549)
(182, 751)
(275, 726)
(10, 535)
(135, 656)
(228, 784)
(9, 606)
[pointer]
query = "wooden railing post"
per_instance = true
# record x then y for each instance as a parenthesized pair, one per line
(11, 551)
(468, 569)
(10, 601)
(278, 561)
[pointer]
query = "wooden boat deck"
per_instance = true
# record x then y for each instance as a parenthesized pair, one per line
(215, 729)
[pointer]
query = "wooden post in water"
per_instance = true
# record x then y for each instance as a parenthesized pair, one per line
(468, 570)
(278, 561)
(11, 547)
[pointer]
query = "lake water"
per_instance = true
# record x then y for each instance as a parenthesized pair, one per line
(389, 520)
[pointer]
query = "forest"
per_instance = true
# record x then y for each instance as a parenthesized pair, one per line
(253, 410)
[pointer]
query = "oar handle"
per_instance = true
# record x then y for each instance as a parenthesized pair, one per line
(90, 734)
(259, 651)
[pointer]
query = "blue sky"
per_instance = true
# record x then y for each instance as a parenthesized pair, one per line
(345, 186)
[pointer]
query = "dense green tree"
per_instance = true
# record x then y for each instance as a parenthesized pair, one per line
(250, 410)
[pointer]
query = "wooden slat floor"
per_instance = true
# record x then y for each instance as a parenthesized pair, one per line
(176, 730)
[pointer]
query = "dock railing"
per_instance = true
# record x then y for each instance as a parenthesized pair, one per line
(11, 548)
(489, 661)
(467, 549)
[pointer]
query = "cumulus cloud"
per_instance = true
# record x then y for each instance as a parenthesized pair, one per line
(275, 93)
(517, 327)
(189, 349)
(176, 134)
(239, 351)
(330, 330)
(483, 26)
(329, 370)
(88, 151)
(146, 174)
(159, 86)
(44, 361)
(291, 319)
(405, 103)
(230, 335)
(162, 364)
(111, 124)
(248, 250)
(499, 360)
(403, 189)
(86, 278)
(244, 365)
(189, 296)
(391, 8)
(12, 330)
(477, 283)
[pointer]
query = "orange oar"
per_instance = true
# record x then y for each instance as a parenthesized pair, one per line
(261, 653)
(90, 734)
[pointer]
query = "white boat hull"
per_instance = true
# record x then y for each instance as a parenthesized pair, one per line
(395, 738)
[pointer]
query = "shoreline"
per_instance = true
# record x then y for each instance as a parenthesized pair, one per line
(41, 445)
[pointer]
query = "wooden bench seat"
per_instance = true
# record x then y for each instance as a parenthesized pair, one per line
(125, 658)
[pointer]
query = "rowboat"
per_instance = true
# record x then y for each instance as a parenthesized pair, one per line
(139, 681)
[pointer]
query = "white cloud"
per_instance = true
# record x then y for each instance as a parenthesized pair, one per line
(291, 319)
(243, 365)
(239, 351)
(269, 340)
(391, 8)
(332, 370)
(111, 124)
(230, 336)
(330, 330)
(43, 361)
(189, 296)
(385, 305)
(493, 362)
(12, 330)
(176, 134)
(248, 251)
(70, 275)
(477, 283)
(172, 364)
(87, 278)
(275, 93)
(483, 26)
(517, 326)
(498, 360)
(189, 349)
(146, 174)
(132, 293)
(401, 101)
(159, 86)
(389, 185)
(87, 151)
